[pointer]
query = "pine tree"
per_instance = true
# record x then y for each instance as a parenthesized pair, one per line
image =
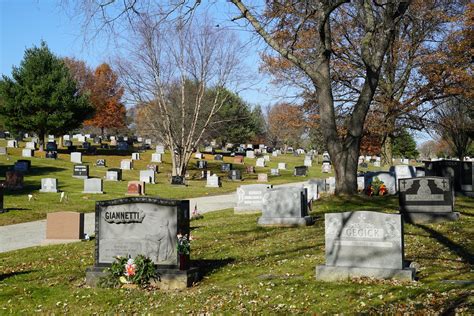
(42, 97)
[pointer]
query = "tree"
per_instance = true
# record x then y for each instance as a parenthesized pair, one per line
(234, 122)
(284, 26)
(404, 145)
(41, 96)
(171, 70)
(453, 122)
(286, 125)
(105, 95)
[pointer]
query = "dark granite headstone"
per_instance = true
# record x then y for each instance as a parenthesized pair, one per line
(461, 173)
(177, 180)
(67, 143)
(235, 175)
(300, 171)
(51, 146)
(201, 164)
(13, 180)
(81, 171)
(51, 154)
(104, 146)
(219, 157)
(426, 200)
(121, 145)
(226, 167)
(22, 165)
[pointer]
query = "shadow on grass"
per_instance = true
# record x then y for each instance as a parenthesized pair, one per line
(15, 209)
(208, 266)
(331, 204)
(12, 274)
(34, 171)
(456, 248)
(453, 305)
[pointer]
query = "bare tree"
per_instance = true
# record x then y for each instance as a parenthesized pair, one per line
(171, 69)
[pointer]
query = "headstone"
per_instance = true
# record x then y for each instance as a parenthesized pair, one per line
(3, 150)
(27, 153)
(156, 157)
(427, 200)
(65, 226)
(113, 175)
(113, 142)
(300, 171)
(219, 157)
(376, 163)
(360, 183)
(403, 172)
(177, 180)
(49, 185)
(331, 185)
(100, 163)
(319, 183)
(262, 177)
(121, 145)
(136, 188)
(142, 226)
(250, 197)
(12, 144)
(235, 175)
(364, 244)
(260, 162)
(282, 166)
(326, 168)
(76, 157)
(51, 155)
(160, 149)
(93, 186)
(104, 146)
(326, 157)
(152, 167)
(238, 159)
(67, 137)
(135, 156)
(213, 181)
(201, 164)
(275, 153)
(30, 145)
(86, 145)
(285, 206)
(67, 143)
(225, 167)
(147, 176)
(126, 164)
(250, 169)
(97, 140)
(148, 141)
(386, 177)
(460, 172)
(266, 158)
(22, 166)
(13, 180)
(81, 171)
(275, 172)
(198, 156)
(420, 172)
(250, 154)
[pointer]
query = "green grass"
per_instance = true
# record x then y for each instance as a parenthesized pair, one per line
(247, 269)
(21, 210)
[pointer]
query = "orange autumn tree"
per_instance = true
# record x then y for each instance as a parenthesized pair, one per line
(286, 124)
(105, 95)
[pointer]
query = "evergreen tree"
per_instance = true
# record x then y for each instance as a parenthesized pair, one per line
(404, 145)
(42, 97)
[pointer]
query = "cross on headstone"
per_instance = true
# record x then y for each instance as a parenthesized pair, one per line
(444, 183)
(404, 183)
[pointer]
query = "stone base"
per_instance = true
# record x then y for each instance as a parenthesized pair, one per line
(92, 192)
(285, 221)
(49, 191)
(168, 279)
(244, 210)
(47, 242)
(80, 177)
(426, 218)
(329, 273)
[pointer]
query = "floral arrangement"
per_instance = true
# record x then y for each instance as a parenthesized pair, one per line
(377, 187)
(184, 245)
(129, 271)
(195, 214)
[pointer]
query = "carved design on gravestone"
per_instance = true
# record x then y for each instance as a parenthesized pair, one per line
(240, 195)
(424, 192)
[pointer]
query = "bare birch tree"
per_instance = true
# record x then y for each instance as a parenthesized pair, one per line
(170, 69)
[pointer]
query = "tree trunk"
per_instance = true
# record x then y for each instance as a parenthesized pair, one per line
(41, 140)
(102, 132)
(345, 165)
(387, 155)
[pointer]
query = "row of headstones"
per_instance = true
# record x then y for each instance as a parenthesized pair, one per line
(95, 185)
(127, 164)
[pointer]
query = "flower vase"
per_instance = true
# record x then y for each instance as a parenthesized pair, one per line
(183, 261)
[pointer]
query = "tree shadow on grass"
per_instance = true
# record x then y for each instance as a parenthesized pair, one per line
(454, 304)
(15, 209)
(208, 266)
(454, 247)
(34, 171)
(5, 276)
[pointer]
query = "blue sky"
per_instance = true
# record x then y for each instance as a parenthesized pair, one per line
(24, 23)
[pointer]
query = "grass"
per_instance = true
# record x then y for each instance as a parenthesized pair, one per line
(247, 269)
(21, 210)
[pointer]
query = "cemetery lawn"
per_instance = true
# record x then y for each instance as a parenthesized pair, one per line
(247, 269)
(21, 210)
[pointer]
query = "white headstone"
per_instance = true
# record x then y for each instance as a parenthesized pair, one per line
(282, 166)
(135, 156)
(30, 145)
(76, 157)
(160, 149)
(147, 176)
(213, 181)
(12, 144)
(308, 162)
(326, 167)
(266, 158)
(155, 157)
(260, 162)
(49, 185)
(93, 186)
(126, 164)
(250, 154)
(27, 153)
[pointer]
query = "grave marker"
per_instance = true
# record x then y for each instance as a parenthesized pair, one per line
(249, 198)
(49, 185)
(93, 186)
(81, 171)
